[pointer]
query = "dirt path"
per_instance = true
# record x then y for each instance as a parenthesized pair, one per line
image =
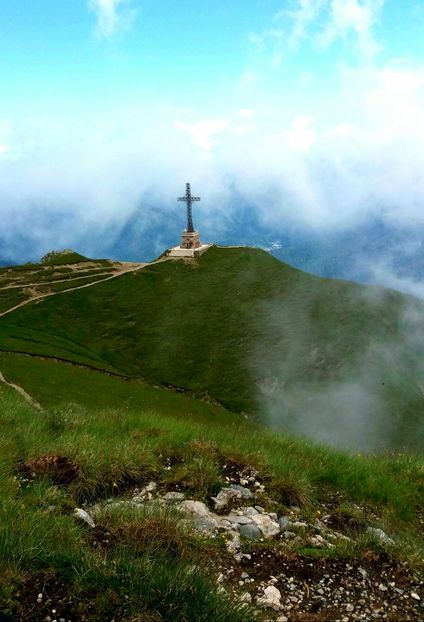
(125, 270)
(42, 283)
(21, 391)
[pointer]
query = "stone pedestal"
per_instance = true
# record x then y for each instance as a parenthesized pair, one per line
(190, 239)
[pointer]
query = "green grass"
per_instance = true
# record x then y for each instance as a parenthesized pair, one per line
(54, 384)
(60, 258)
(255, 334)
(151, 555)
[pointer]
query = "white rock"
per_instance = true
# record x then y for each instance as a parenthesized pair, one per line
(271, 598)
(234, 544)
(174, 496)
(415, 596)
(350, 608)
(246, 597)
(380, 536)
(282, 619)
(203, 519)
(224, 497)
(84, 516)
(265, 523)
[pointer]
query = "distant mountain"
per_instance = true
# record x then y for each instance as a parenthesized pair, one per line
(340, 362)
(371, 252)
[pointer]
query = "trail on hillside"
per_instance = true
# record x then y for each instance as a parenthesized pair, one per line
(21, 391)
(37, 297)
(42, 283)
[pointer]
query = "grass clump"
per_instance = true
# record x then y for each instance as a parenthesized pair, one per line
(199, 476)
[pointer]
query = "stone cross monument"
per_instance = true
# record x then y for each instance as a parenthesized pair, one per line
(190, 238)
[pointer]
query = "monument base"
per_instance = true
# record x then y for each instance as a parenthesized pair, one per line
(190, 239)
(180, 251)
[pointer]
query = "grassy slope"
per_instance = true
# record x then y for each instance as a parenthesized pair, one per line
(151, 572)
(235, 321)
(55, 385)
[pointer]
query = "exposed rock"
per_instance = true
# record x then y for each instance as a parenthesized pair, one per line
(84, 516)
(380, 536)
(239, 520)
(245, 492)
(173, 496)
(203, 519)
(225, 495)
(267, 526)
(145, 493)
(251, 531)
(284, 522)
(271, 598)
(234, 544)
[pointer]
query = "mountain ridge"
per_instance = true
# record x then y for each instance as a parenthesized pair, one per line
(258, 335)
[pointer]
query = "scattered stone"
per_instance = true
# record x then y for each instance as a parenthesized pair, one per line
(145, 493)
(289, 535)
(239, 520)
(224, 497)
(174, 496)
(268, 526)
(250, 531)
(415, 596)
(246, 598)
(84, 516)
(271, 598)
(299, 524)
(350, 608)
(234, 544)
(284, 522)
(380, 536)
(203, 519)
(245, 492)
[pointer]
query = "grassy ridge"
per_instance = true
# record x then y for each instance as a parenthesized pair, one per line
(252, 332)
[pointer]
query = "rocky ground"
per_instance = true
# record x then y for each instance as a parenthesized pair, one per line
(291, 567)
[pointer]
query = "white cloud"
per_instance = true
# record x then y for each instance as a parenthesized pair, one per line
(322, 22)
(203, 132)
(355, 18)
(301, 136)
(112, 16)
(357, 155)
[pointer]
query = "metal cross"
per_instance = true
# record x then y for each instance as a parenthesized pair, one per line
(189, 200)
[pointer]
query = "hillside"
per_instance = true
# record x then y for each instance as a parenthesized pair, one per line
(170, 510)
(137, 480)
(328, 358)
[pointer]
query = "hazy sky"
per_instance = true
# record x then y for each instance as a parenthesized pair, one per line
(313, 109)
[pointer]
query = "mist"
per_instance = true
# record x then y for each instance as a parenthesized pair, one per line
(352, 377)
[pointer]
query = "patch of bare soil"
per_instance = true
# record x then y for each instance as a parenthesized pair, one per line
(59, 469)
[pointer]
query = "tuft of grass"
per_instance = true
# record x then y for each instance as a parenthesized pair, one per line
(292, 489)
(198, 475)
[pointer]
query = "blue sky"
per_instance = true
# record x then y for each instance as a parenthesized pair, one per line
(313, 110)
